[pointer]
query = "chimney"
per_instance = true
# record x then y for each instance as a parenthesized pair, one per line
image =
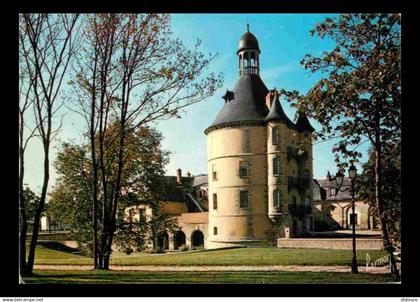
(329, 176)
(188, 174)
(269, 99)
(178, 176)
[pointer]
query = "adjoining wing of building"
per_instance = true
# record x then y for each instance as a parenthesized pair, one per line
(334, 212)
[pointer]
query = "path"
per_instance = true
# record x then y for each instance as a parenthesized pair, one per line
(284, 268)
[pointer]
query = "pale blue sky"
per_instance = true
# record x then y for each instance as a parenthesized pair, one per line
(284, 39)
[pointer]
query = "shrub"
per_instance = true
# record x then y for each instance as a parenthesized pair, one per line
(158, 250)
(200, 247)
(184, 248)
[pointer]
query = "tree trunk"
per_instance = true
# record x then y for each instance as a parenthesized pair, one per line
(39, 210)
(23, 218)
(94, 182)
(378, 196)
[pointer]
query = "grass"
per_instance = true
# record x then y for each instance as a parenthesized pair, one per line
(241, 256)
(95, 277)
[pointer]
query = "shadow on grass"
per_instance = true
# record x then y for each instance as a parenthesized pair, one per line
(57, 246)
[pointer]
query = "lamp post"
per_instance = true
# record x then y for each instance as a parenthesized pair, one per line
(339, 180)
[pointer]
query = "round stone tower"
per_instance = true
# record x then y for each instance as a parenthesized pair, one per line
(237, 148)
(259, 163)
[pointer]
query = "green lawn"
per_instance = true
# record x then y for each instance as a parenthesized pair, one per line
(68, 277)
(240, 256)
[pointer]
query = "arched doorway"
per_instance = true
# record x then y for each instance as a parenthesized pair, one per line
(197, 239)
(179, 239)
(163, 241)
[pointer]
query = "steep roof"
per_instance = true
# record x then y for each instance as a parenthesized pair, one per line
(326, 184)
(200, 180)
(303, 123)
(277, 114)
(248, 103)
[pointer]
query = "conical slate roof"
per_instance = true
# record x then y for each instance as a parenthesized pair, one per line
(303, 123)
(277, 114)
(248, 103)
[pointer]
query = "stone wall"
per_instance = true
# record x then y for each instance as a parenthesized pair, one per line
(330, 243)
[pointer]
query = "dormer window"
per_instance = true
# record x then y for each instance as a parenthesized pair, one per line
(229, 95)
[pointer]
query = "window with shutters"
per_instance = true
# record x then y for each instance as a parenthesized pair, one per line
(275, 135)
(276, 198)
(276, 166)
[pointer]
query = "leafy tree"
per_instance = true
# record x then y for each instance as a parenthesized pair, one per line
(359, 97)
(142, 181)
(391, 188)
(31, 200)
(70, 199)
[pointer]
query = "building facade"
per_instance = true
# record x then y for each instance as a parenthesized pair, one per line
(258, 187)
(334, 212)
(259, 163)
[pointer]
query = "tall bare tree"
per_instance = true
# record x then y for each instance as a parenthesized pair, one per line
(48, 44)
(25, 103)
(143, 75)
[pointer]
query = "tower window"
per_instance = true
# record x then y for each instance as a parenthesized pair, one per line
(214, 172)
(142, 215)
(275, 135)
(243, 169)
(243, 199)
(214, 201)
(276, 198)
(215, 230)
(276, 166)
